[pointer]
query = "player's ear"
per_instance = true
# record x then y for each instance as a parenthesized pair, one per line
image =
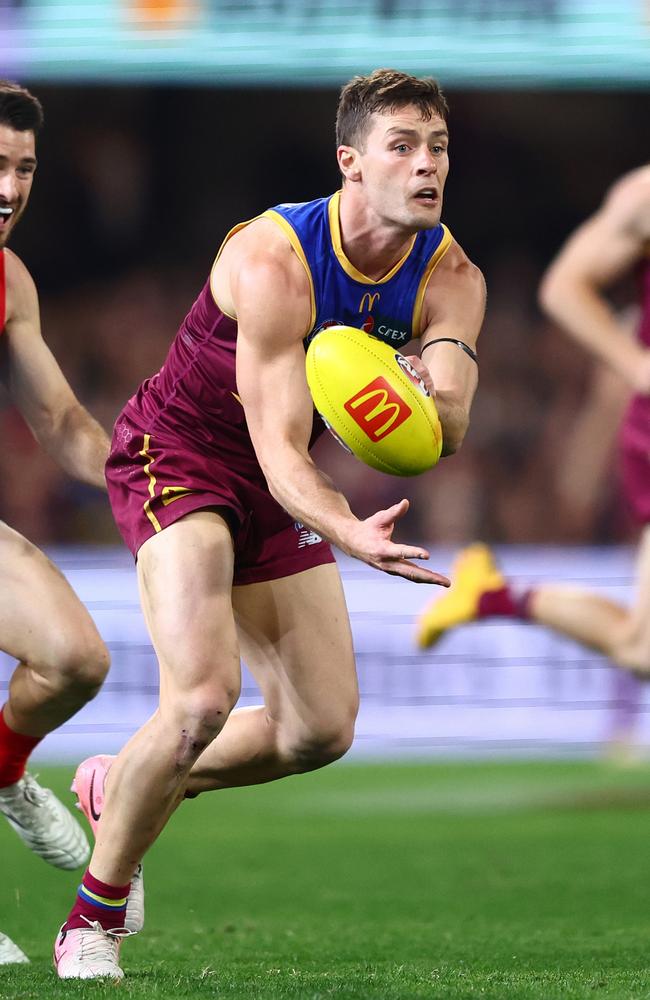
(349, 162)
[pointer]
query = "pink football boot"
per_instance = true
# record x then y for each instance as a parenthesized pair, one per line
(88, 952)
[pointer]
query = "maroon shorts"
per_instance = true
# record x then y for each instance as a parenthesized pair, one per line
(156, 479)
(635, 459)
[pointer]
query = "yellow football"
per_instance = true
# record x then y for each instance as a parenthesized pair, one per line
(373, 401)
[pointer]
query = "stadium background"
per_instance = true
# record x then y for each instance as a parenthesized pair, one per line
(166, 123)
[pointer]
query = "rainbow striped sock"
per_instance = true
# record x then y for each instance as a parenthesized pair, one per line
(98, 901)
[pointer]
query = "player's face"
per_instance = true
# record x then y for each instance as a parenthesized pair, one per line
(404, 167)
(17, 166)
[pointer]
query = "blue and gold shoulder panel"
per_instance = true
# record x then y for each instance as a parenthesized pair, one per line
(389, 308)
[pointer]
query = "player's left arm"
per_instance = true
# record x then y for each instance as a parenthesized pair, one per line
(454, 308)
(39, 390)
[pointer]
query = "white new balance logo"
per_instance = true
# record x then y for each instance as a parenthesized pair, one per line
(306, 536)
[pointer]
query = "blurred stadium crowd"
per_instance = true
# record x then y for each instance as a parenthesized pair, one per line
(136, 189)
(179, 10)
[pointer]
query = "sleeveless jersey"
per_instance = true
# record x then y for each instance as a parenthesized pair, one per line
(196, 386)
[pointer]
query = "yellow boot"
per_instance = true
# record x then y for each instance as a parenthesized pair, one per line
(474, 573)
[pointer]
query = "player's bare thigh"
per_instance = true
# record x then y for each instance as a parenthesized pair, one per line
(185, 576)
(41, 617)
(295, 637)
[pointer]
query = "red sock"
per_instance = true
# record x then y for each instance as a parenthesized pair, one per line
(15, 748)
(504, 603)
(98, 901)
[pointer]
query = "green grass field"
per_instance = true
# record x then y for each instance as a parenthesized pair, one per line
(382, 881)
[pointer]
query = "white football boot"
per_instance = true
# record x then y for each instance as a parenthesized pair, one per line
(89, 952)
(44, 824)
(10, 953)
(134, 918)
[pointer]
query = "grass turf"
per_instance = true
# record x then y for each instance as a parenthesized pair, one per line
(376, 881)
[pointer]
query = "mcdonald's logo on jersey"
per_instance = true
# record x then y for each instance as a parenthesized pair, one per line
(368, 300)
(377, 409)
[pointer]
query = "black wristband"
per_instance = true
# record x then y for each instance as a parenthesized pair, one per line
(451, 340)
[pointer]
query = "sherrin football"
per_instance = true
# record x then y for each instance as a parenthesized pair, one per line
(373, 401)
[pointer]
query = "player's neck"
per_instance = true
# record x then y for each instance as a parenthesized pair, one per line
(371, 246)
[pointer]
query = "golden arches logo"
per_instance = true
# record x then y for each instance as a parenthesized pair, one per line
(370, 298)
(377, 409)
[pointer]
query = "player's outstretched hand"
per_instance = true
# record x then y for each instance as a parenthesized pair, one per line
(372, 543)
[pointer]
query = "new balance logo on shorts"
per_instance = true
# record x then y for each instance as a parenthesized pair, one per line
(306, 536)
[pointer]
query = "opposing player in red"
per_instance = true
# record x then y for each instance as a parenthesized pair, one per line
(613, 242)
(212, 483)
(61, 658)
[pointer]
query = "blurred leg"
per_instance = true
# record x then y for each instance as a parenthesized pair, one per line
(622, 634)
(479, 590)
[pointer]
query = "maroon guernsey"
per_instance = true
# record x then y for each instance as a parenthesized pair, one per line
(181, 444)
(195, 392)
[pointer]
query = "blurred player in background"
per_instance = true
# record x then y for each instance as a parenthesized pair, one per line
(613, 242)
(212, 484)
(61, 658)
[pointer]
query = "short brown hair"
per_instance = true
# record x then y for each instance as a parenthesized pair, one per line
(19, 109)
(383, 90)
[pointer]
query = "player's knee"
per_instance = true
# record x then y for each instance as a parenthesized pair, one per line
(631, 649)
(80, 666)
(320, 746)
(637, 660)
(198, 718)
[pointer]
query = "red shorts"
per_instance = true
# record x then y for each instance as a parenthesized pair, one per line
(156, 479)
(635, 459)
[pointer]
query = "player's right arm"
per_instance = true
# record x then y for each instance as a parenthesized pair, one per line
(600, 251)
(39, 389)
(271, 299)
